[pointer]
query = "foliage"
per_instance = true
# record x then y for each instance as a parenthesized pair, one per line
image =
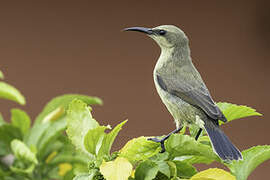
(182, 152)
(118, 169)
(232, 111)
(45, 151)
(252, 158)
(9, 92)
(214, 173)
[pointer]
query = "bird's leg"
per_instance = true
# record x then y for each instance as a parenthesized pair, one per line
(161, 141)
(198, 134)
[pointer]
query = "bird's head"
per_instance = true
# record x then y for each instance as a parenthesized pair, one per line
(166, 36)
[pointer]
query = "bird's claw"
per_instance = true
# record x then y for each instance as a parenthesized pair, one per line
(161, 141)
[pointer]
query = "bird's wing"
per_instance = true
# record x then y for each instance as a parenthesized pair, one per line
(193, 91)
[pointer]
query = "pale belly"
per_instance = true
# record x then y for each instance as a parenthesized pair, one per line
(183, 113)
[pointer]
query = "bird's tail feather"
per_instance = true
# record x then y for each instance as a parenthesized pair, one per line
(221, 143)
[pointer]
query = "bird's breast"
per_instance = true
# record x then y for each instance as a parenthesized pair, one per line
(182, 112)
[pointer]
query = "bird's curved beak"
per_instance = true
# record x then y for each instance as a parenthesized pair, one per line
(148, 31)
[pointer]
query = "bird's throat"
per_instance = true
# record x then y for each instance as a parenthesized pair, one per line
(178, 55)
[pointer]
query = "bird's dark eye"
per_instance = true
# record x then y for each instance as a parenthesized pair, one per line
(161, 32)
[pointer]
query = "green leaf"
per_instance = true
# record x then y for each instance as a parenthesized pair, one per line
(173, 169)
(161, 176)
(21, 120)
(98, 143)
(22, 152)
(93, 140)
(80, 121)
(252, 157)
(233, 111)
(54, 111)
(194, 159)
(7, 134)
(52, 148)
(160, 157)
(177, 178)
(27, 170)
(85, 176)
(53, 173)
(69, 157)
(69, 175)
(164, 168)
(184, 170)
(2, 75)
(9, 92)
(146, 170)
(63, 101)
(182, 145)
(2, 121)
(3, 173)
(81, 169)
(139, 149)
(119, 169)
(50, 135)
(109, 139)
(213, 174)
(4, 150)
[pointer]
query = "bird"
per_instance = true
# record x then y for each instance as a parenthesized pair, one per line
(183, 91)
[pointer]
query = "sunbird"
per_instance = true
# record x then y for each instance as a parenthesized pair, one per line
(182, 90)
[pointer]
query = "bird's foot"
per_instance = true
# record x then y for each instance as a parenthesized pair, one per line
(161, 141)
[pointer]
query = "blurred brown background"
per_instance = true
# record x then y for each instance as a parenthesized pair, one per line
(55, 47)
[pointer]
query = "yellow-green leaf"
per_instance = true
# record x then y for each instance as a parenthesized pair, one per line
(93, 139)
(79, 122)
(21, 120)
(51, 114)
(183, 145)
(8, 132)
(184, 170)
(9, 92)
(2, 121)
(109, 139)
(99, 143)
(233, 111)
(63, 101)
(139, 149)
(119, 169)
(252, 158)
(146, 170)
(28, 170)
(22, 152)
(213, 174)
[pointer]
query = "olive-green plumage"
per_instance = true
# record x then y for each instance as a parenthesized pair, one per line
(183, 91)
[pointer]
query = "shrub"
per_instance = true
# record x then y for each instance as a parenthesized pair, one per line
(43, 151)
